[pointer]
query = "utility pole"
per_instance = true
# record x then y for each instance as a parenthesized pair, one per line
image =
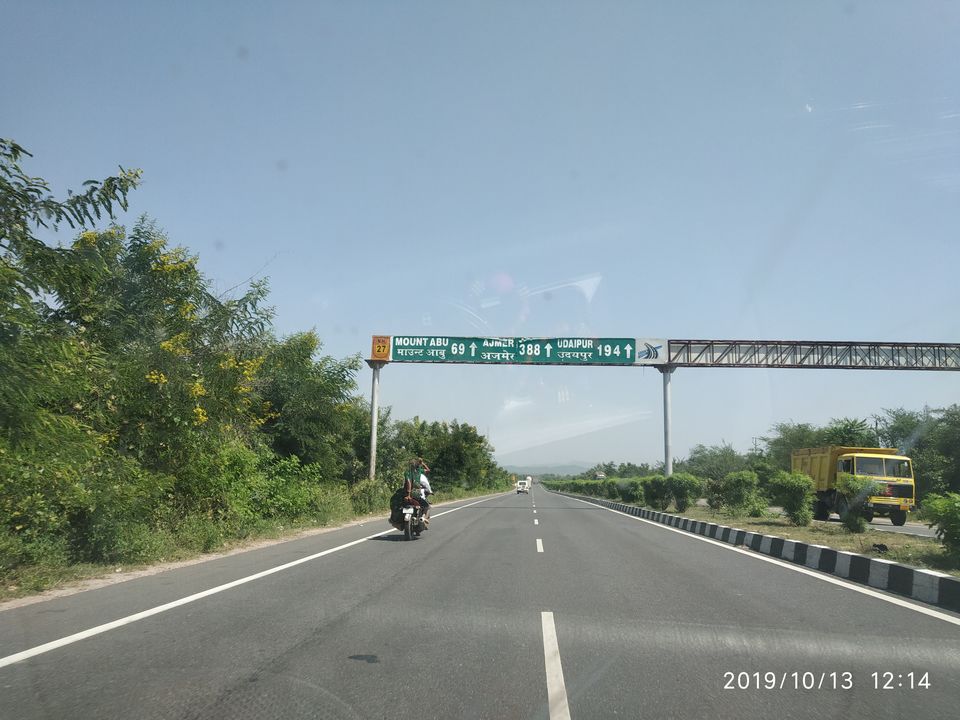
(666, 371)
(374, 413)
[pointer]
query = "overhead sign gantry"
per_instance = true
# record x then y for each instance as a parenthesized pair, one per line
(665, 355)
(518, 350)
(814, 354)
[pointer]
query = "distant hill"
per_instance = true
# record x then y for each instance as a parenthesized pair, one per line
(568, 469)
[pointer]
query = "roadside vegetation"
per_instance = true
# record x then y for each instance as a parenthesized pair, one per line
(757, 491)
(755, 514)
(144, 416)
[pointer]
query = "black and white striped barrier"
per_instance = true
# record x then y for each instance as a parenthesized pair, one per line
(924, 585)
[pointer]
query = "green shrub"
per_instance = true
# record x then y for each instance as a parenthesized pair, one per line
(631, 490)
(331, 503)
(737, 494)
(801, 516)
(199, 533)
(854, 491)
(222, 482)
(684, 488)
(757, 508)
(15, 552)
(610, 489)
(136, 543)
(943, 511)
(854, 522)
(714, 493)
(117, 521)
(795, 492)
(368, 496)
(739, 489)
(593, 488)
(90, 500)
(656, 493)
(289, 490)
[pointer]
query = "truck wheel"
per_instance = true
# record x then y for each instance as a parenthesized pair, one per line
(898, 517)
(842, 507)
(868, 516)
(821, 511)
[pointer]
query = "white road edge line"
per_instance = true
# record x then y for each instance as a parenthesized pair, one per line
(84, 634)
(556, 689)
(539, 545)
(791, 566)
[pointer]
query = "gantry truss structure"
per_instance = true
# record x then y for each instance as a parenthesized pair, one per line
(814, 354)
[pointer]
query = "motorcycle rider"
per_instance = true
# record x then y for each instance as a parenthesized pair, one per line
(411, 481)
(425, 490)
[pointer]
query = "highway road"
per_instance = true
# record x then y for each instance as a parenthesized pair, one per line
(884, 525)
(910, 528)
(516, 606)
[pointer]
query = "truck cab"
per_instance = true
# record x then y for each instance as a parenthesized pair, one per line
(892, 471)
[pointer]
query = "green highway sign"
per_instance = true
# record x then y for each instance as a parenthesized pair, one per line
(519, 350)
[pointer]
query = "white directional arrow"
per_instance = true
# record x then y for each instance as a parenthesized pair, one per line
(473, 349)
(549, 349)
(629, 350)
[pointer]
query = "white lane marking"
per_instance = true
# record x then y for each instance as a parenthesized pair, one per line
(536, 522)
(447, 512)
(539, 545)
(556, 689)
(534, 512)
(84, 634)
(790, 566)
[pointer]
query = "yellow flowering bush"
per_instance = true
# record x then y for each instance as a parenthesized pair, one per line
(176, 345)
(87, 240)
(176, 260)
(251, 367)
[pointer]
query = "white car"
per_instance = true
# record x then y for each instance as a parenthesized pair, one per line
(523, 486)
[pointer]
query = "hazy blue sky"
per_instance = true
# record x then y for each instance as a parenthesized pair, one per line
(767, 170)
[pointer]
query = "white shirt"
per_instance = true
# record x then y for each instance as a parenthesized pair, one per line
(424, 486)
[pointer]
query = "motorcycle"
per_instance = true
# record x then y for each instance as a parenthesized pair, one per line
(410, 520)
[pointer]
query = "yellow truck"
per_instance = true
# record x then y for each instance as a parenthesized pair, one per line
(886, 466)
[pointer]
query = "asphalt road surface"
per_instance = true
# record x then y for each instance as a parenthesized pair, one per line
(884, 525)
(910, 528)
(517, 606)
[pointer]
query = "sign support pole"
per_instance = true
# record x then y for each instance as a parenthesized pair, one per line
(374, 413)
(667, 371)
